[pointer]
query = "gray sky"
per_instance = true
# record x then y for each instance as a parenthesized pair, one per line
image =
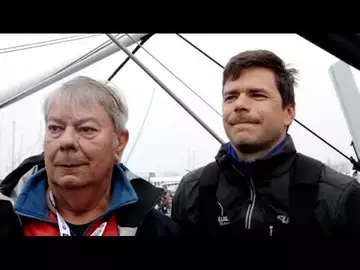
(171, 140)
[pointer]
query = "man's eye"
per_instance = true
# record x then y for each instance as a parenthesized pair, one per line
(258, 95)
(227, 98)
(87, 129)
(54, 128)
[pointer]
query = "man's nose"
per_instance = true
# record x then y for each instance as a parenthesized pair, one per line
(68, 140)
(242, 103)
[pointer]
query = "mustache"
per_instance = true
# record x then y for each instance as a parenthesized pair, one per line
(241, 119)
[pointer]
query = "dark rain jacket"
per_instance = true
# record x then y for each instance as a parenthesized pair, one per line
(284, 195)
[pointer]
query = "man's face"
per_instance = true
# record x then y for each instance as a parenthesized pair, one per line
(81, 146)
(253, 116)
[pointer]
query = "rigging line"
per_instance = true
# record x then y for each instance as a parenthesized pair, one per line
(142, 42)
(204, 53)
(92, 52)
(324, 141)
(85, 56)
(302, 125)
(88, 54)
(167, 89)
(24, 93)
(98, 48)
(32, 146)
(141, 128)
(172, 73)
(42, 44)
(26, 45)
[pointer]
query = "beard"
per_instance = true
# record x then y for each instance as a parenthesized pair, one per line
(250, 148)
(255, 145)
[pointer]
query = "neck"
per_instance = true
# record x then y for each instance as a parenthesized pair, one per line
(258, 154)
(80, 206)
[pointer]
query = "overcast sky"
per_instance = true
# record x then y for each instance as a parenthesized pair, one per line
(171, 140)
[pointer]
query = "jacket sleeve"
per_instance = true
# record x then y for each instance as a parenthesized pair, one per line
(349, 211)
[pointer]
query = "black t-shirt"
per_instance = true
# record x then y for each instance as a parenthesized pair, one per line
(78, 230)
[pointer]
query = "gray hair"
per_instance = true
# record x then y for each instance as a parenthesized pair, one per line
(82, 90)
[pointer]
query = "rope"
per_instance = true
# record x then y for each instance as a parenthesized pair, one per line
(141, 128)
(44, 43)
(172, 73)
(23, 94)
(146, 38)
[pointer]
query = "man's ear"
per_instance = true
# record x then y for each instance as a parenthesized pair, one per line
(121, 141)
(289, 112)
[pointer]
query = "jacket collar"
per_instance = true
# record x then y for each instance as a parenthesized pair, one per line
(276, 162)
(132, 215)
(126, 191)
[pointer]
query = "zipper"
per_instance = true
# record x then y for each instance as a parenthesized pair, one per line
(107, 213)
(251, 206)
(158, 198)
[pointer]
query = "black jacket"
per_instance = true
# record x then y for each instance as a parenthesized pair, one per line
(252, 199)
(140, 214)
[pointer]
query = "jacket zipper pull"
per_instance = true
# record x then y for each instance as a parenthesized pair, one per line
(270, 230)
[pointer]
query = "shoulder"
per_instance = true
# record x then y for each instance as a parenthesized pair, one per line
(342, 196)
(157, 224)
(335, 181)
(142, 213)
(337, 193)
(6, 198)
(332, 184)
(191, 179)
(188, 188)
(189, 184)
(184, 205)
(10, 224)
(345, 189)
(330, 180)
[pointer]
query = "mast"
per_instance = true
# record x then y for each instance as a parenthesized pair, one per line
(349, 98)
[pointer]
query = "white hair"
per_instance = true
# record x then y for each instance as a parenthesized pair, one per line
(84, 90)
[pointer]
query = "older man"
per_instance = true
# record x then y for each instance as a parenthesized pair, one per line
(83, 191)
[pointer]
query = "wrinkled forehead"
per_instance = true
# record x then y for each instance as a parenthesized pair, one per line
(68, 107)
(252, 78)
